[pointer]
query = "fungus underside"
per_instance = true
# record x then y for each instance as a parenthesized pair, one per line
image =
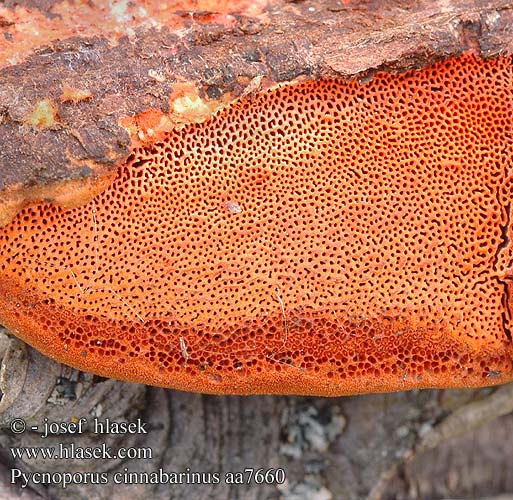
(320, 238)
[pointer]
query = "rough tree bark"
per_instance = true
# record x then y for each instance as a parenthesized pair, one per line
(71, 108)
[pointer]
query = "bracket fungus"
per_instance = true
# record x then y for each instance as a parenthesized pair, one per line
(324, 237)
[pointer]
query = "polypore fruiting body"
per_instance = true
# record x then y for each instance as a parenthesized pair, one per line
(321, 238)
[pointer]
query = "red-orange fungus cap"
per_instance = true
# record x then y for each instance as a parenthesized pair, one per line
(321, 238)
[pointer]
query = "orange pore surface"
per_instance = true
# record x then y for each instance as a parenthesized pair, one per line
(321, 238)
